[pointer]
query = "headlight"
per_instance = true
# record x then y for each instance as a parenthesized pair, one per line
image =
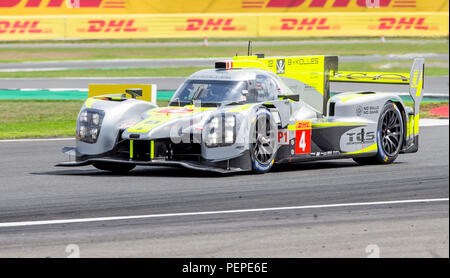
(220, 131)
(89, 124)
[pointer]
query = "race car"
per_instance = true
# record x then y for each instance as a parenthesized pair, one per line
(247, 114)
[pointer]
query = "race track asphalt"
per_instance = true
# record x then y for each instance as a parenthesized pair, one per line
(32, 189)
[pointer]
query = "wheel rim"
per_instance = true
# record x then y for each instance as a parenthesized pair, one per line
(264, 146)
(391, 132)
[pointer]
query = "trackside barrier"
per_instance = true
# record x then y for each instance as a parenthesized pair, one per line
(130, 7)
(426, 24)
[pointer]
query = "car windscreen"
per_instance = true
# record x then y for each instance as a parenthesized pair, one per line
(209, 92)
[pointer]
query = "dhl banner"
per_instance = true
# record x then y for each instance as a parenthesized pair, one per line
(355, 24)
(162, 26)
(223, 25)
(84, 7)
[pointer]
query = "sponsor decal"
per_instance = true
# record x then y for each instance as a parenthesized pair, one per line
(210, 24)
(328, 153)
(367, 110)
(402, 23)
(281, 66)
(303, 137)
(22, 27)
(308, 24)
(303, 61)
(283, 137)
(246, 4)
(111, 26)
(359, 110)
(63, 3)
(357, 138)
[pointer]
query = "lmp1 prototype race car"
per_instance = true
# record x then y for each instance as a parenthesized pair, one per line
(247, 114)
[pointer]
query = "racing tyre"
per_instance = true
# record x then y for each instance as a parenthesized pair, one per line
(389, 137)
(117, 168)
(263, 144)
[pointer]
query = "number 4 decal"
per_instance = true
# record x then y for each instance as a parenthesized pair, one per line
(303, 137)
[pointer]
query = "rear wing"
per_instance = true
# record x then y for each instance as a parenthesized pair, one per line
(415, 80)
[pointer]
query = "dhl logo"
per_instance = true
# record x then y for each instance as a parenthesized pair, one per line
(254, 4)
(107, 26)
(303, 125)
(403, 23)
(63, 3)
(311, 23)
(210, 24)
(21, 27)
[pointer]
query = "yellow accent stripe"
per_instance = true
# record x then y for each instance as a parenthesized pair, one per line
(410, 126)
(371, 77)
(337, 124)
(152, 149)
(371, 148)
(345, 98)
(89, 102)
(131, 148)
(240, 108)
(416, 124)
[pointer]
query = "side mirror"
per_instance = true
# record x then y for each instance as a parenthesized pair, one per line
(134, 92)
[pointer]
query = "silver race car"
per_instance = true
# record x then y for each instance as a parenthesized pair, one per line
(247, 114)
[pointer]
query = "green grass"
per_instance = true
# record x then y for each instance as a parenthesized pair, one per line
(397, 66)
(57, 118)
(40, 118)
(426, 107)
(254, 39)
(39, 54)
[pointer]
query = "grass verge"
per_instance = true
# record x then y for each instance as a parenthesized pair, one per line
(14, 54)
(57, 118)
(218, 39)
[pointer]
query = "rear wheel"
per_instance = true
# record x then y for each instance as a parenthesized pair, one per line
(263, 143)
(118, 168)
(389, 136)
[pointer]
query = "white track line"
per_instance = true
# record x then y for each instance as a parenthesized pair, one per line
(36, 140)
(116, 218)
(433, 122)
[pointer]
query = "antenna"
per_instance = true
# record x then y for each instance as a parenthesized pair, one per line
(249, 50)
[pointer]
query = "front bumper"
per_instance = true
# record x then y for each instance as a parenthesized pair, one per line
(238, 164)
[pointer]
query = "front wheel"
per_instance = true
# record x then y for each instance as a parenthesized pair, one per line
(389, 136)
(263, 143)
(117, 168)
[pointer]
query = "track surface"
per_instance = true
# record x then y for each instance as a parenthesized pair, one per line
(32, 189)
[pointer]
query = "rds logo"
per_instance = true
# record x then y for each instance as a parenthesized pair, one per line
(360, 137)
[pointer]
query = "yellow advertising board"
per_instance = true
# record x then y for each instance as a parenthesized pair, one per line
(148, 90)
(223, 25)
(85, 7)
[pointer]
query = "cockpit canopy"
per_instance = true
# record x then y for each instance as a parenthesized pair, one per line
(215, 87)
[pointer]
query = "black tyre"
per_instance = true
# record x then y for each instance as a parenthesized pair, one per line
(117, 168)
(389, 136)
(263, 144)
